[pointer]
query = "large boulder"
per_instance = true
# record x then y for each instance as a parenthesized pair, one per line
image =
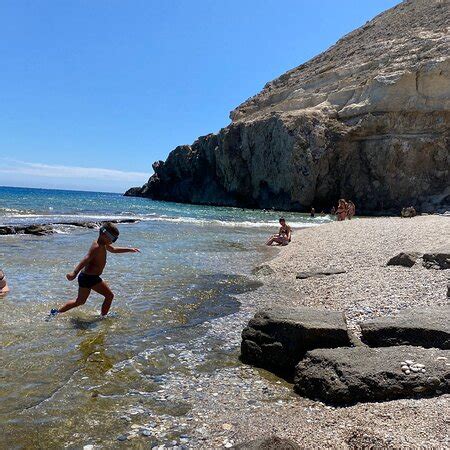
(439, 259)
(278, 337)
(406, 259)
(428, 327)
(345, 376)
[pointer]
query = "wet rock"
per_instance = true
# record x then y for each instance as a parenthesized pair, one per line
(278, 337)
(345, 376)
(439, 259)
(263, 270)
(38, 230)
(5, 230)
(428, 327)
(318, 272)
(406, 259)
(270, 443)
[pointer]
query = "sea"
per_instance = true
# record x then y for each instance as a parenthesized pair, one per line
(63, 382)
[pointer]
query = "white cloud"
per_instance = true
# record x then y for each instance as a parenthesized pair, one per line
(13, 167)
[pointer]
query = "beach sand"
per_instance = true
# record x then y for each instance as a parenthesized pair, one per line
(237, 403)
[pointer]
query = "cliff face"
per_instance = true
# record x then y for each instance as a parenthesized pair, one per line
(368, 120)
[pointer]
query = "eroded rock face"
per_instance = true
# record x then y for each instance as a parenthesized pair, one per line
(368, 120)
(278, 337)
(345, 376)
(427, 327)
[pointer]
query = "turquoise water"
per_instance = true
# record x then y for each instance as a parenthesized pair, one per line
(193, 260)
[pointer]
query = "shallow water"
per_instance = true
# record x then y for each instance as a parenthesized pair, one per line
(64, 381)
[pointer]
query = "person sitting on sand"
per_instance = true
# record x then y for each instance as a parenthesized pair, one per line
(284, 234)
(4, 289)
(93, 264)
(351, 210)
(341, 211)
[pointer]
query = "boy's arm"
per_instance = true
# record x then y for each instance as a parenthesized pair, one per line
(72, 275)
(112, 249)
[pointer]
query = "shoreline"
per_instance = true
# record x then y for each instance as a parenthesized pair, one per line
(237, 403)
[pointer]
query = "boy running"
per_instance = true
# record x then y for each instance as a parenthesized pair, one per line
(93, 264)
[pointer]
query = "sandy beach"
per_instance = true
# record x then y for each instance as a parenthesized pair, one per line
(238, 403)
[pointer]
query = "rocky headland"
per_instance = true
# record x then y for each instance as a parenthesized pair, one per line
(368, 119)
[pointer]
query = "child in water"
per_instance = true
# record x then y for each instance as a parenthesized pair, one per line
(93, 264)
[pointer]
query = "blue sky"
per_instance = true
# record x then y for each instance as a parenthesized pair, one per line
(92, 92)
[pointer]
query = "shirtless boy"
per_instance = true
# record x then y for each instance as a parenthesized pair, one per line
(90, 269)
(284, 234)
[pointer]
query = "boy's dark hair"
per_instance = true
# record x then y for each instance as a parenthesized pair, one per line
(281, 218)
(2, 274)
(111, 228)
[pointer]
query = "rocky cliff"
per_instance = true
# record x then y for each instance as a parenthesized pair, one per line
(368, 120)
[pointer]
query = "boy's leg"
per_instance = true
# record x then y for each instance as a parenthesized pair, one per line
(83, 294)
(103, 289)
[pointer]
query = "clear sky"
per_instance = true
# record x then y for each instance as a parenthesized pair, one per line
(93, 91)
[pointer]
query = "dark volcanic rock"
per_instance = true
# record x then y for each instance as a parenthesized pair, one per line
(278, 337)
(4, 230)
(37, 230)
(344, 376)
(270, 443)
(427, 327)
(317, 272)
(406, 259)
(364, 120)
(47, 228)
(439, 259)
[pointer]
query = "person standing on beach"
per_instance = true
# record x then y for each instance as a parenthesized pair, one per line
(351, 210)
(4, 289)
(91, 267)
(341, 211)
(284, 234)
(313, 212)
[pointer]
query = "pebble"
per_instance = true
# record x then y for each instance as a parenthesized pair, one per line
(409, 362)
(146, 433)
(88, 447)
(122, 437)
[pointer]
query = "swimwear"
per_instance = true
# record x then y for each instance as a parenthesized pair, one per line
(88, 281)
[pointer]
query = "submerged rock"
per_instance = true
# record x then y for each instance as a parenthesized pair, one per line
(368, 120)
(278, 337)
(425, 327)
(263, 270)
(270, 443)
(345, 376)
